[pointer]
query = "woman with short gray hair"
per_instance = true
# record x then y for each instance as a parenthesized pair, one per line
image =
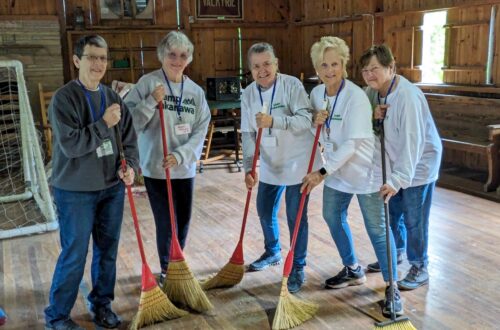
(284, 153)
(186, 120)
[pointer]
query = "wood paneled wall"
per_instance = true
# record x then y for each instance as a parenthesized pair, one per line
(293, 26)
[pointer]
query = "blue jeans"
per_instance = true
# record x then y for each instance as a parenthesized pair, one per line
(268, 202)
(409, 210)
(182, 196)
(335, 205)
(83, 214)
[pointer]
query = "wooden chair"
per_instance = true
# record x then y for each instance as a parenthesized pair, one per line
(45, 98)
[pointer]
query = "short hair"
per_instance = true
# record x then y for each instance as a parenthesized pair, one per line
(382, 52)
(92, 40)
(326, 43)
(174, 40)
(258, 48)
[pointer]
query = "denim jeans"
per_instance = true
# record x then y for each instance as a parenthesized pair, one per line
(335, 205)
(409, 210)
(182, 196)
(83, 214)
(268, 202)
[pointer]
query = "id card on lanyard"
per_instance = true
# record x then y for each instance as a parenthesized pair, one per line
(272, 98)
(332, 111)
(106, 148)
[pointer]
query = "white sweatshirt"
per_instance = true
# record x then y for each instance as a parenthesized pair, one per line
(285, 162)
(186, 147)
(411, 139)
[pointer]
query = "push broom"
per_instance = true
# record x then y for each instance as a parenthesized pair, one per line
(402, 322)
(180, 286)
(232, 273)
(291, 311)
(154, 305)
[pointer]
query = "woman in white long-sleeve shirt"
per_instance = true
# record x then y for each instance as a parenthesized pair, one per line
(284, 153)
(352, 164)
(414, 152)
(186, 120)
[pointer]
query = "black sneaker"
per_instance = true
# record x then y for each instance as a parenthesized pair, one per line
(375, 267)
(68, 324)
(105, 317)
(398, 304)
(265, 261)
(162, 279)
(295, 280)
(345, 278)
(416, 277)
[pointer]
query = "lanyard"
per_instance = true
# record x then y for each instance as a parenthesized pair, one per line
(388, 91)
(272, 98)
(91, 104)
(328, 122)
(178, 107)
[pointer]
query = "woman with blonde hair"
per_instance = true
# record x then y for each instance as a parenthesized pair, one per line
(352, 164)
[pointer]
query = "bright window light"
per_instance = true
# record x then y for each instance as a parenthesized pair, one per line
(433, 45)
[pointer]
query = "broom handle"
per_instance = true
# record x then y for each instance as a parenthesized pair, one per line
(118, 137)
(237, 257)
(289, 258)
(175, 249)
(387, 222)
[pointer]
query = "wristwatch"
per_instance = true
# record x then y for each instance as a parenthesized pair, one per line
(322, 171)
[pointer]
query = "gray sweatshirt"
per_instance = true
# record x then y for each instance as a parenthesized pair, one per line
(185, 147)
(77, 161)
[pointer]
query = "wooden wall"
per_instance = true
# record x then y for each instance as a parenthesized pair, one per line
(36, 43)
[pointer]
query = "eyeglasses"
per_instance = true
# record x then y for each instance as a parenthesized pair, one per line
(173, 56)
(94, 59)
(265, 65)
(373, 70)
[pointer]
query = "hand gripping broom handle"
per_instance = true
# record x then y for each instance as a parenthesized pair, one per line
(175, 248)
(237, 257)
(118, 138)
(387, 222)
(289, 258)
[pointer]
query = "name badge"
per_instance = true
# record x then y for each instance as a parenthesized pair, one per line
(181, 129)
(105, 149)
(269, 141)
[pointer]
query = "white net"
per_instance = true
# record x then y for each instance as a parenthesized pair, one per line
(25, 202)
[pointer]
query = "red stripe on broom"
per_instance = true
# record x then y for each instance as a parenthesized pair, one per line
(291, 311)
(232, 273)
(180, 285)
(154, 305)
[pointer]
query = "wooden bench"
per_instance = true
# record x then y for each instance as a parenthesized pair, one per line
(471, 141)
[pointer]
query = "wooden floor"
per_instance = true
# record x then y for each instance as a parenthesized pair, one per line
(463, 293)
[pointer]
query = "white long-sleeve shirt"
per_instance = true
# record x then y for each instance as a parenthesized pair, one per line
(286, 162)
(411, 139)
(352, 154)
(187, 147)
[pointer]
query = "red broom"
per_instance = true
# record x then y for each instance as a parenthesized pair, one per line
(291, 311)
(180, 286)
(154, 305)
(232, 273)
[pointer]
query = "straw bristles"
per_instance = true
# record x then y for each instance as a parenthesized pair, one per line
(230, 275)
(291, 311)
(154, 306)
(182, 287)
(397, 324)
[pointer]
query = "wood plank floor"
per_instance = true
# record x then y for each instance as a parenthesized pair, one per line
(463, 293)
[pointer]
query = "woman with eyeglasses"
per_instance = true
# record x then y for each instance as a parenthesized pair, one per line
(285, 150)
(413, 150)
(352, 164)
(186, 120)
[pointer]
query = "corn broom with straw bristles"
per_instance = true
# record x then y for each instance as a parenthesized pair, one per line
(232, 273)
(180, 286)
(291, 311)
(402, 322)
(154, 305)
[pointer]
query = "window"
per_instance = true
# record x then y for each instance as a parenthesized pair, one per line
(433, 45)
